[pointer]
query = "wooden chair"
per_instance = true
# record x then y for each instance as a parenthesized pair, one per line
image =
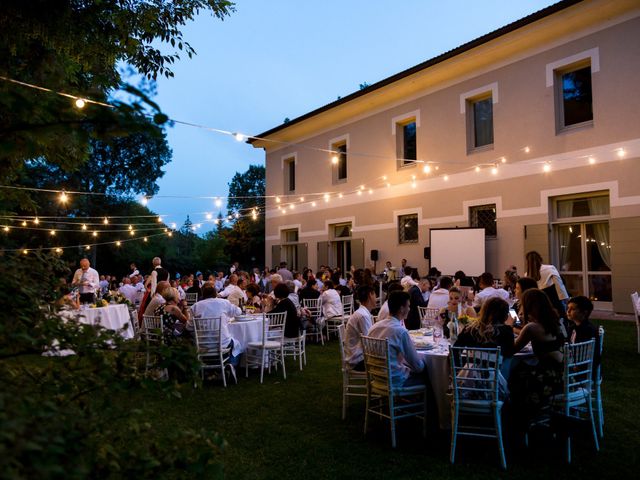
(474, 375)
(269, 351)
(385, 399)
(354, 384)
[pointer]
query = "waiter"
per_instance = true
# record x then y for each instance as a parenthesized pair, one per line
(158, 274)
(87, 280)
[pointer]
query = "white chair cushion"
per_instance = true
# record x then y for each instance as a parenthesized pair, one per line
(269, 344)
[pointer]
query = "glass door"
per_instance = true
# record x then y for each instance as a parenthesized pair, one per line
(584, 257)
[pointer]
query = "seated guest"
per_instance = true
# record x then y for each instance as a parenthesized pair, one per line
(509, 280)
(158, 298)
(485, 282)
(359, 324)
(532, 386)
(293, 296)
(406, 365)
(460, 279)
(455, 306)
(67, 301)
(522, 285)
(580, 329)
(129, 291)
(310, 290)
(439, 297)
(193, 287)
(408, 279)
(417, 300)
(331, 301)
(253, 297)
(234, 292)
(283, 303)
(173, 317)
(212, 307)
(384, 309)
(489, 330)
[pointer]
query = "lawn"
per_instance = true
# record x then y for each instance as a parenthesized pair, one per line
(292, 428)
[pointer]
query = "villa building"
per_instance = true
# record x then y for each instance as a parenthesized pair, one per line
(531, 131)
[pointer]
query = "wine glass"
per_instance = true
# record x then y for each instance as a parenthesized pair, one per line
(437, 335)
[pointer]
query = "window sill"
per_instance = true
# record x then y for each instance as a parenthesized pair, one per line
(403, 166)
(484, 148)
(575, 127)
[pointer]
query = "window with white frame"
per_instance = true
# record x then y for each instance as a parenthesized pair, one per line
(406, 146)
(339, 162)
(484, 216)
(290, 174)
(574, 102)
(408, 228)
(480, 121)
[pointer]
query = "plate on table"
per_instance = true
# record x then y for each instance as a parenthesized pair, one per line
(248, 318)
(423, 344)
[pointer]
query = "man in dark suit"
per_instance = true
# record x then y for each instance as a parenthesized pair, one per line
(412, 321)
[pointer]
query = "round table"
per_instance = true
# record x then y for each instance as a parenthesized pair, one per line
(246, 328)
(113, 317)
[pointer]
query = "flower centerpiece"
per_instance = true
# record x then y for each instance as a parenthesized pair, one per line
(113, 296)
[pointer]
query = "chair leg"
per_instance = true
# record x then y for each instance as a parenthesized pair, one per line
(498, 424)
(300, 353)
(284, 370)
(392, 419)
(599, 411)
(262, 366)
(454, 435)
(366, 412)
(568, 448)
(593, 427)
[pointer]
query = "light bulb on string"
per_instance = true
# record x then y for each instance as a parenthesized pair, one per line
(494, 170)
(292, 206)
(80, 103)
(174, 226)
(413, 184)
(95, 234)
(144, 239)
(592, 160)
(277, 199)
(218, 202)
(302, 199)
(5, 228)
(52, 232)
(25, 251)
(230, 217)
(239, 137)
(144, 201)
(58, 250)
(313, 204)
(334, 159)
(24, 223)
(446, 178)
(384, 177)
(105, 221)
(130, 227)
(132, 232)
(170, 234)
(370, 191)
(388, 185)
(503, 160)
(159, 219)
(526, 149)
(426, 169)
(359, 192)
(437, 167)
(87, 247)
(621, 153)
(118, 243)
(208, 216)
(546, 167)
(340, 195)
(63, 197)
(326, 198)
(477, 169)
(84, 226)
(237, 215)
(36, 221)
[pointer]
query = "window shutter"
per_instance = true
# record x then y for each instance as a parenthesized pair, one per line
(323, 254)
(275, 254)
(357, 252)
(302, 256)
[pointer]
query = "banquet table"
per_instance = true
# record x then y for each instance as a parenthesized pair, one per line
(112, 317)
(246, 328)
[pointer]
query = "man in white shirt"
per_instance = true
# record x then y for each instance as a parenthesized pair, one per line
(407, 281)
(234, 292)
(439, 297)
(407, 366)
(139, 285)
(212, 307)
(331, 301)
(485, 282)
(220, 279)
(128, 290)
(359, 324)
(87, 280)
(134, 270)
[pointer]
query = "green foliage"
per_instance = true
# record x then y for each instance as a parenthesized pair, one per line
(57, 417)
(245, 239)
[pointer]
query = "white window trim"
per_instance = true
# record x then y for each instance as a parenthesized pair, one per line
(342, 138)
(399, 119)
(476, 92)
(288, 156)
(592, 54)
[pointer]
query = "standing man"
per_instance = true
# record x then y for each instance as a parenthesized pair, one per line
(134, 270)
(87, 280)
(284, 272)
(158, 274)
(417, 300)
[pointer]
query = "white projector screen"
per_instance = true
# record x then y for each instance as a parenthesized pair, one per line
(454, 249)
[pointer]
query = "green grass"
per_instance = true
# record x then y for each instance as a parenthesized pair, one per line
(292, 428)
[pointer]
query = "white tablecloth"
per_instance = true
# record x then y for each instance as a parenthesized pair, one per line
(113, 317)
(246, 329)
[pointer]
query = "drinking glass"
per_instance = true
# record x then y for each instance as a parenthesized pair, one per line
(437, 335)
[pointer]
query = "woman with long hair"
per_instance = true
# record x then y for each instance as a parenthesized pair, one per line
(489, 329)
(548, 279)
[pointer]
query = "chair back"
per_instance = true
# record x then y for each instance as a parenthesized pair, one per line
(578, 366)
(342, 337)
(636, 307)
(427, 315)
(598, 372)
(191, 298)
(152, 327)
(274, 327)
(347, 306)
(314, 305)
(376, 363)
(133, 315)
(208, 337)
(475, 373)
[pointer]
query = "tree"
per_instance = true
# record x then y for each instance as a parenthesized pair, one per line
(245, 239)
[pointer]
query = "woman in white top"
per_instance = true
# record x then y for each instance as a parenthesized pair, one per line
(331, 301)
(549, 281)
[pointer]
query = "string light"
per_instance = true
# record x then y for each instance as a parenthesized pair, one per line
(527, 149)
(144, 201)
(132, 232)
(326, 197)
(52, 232)
(58, 250)
(95, 234)
(145, 239)
(546, 167)
(503, 159)
(6, 229)
(277, 199)
(413, 184)
(170, 234)
(340, 195)
(80, 103)
(301, 199)
(621, 153)
(159, 219)
(218, 202)
(63, 197)
(87, 247)
(130, 227)
(426, 169)
(84, 226)
(209, 216)
(592, 160)
(118, 243)
(334, 159)
(359, 192)
(477, 169)
(173, 225)
(24, 223)
(446, 178)
(494, 170)
(25, 251)
(106, 221)
(239, 137)
(313, 204)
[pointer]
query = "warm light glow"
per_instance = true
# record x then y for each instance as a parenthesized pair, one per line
(413, 185)
(370, 191)
(58, 250)
(145, 239)
(546, 167)
(52, 232)
(132, 232)
(105, 221)
(388, 185)
(170, 234)
(413, 177)
(326, 197)
(334, 159)
(621, 153)
(174, 226)
(426, 169)
(437, 167)
(24, 224)
(230, 217)
(64, 197)
(209, 216)
(159, 219)
(446, 178)
(80, 103)
(218, 202)
(592, 160)
(527, 149)
(6, 229)
(359, 192)
(340, 195)
(313, 204)
(292, 206)
(118, 243)
(25, 251)
(130, 227)
(384, 177)
(144, 201)
(503, 159)
(477, 169)
(302, 199)
(277, 199)
(237, 215)
(84, 227)
(36, 221)
(239, 137)
(87, 247)
(95, 234)
(361, 187)
(494, 170)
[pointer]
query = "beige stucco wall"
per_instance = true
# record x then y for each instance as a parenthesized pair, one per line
(524, 116)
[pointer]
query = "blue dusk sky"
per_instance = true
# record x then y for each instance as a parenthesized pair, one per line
(283, 58)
